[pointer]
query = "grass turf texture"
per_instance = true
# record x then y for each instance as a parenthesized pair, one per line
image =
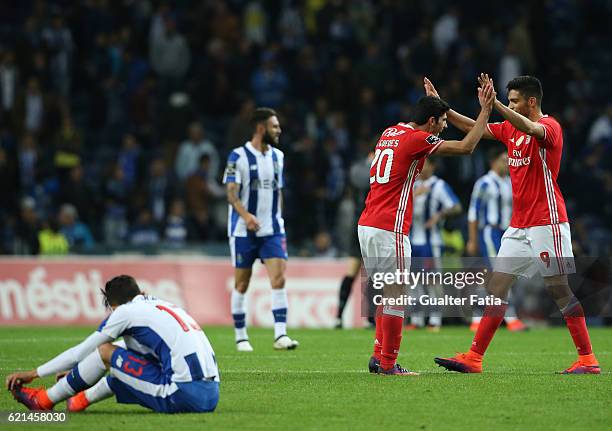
(324, 384)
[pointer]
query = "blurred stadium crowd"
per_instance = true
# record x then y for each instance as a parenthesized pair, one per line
(116, 116)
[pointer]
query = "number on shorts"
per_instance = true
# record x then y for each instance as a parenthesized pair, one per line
(545, 258)
(379, 156)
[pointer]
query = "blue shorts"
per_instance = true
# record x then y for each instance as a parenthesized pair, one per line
(425, 257)
(489, 239)
(245, 249)
(135, 379)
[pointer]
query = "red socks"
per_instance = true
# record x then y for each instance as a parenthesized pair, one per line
(491, 319)
(574, 318)
(392, 327)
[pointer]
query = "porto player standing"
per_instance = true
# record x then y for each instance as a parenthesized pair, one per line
(385, 222)
(538, 238)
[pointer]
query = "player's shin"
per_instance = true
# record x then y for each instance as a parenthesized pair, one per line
(392, 326)
(345, 291)
(85, 374)
(379, 332)
(573, 314)
(98, 392)
(279, 310)
(492, 317)
(238, 304)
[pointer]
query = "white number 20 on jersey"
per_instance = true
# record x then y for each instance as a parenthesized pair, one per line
(383, 159)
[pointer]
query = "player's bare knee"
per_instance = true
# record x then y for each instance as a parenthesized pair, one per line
(106, 352)
(278, 282)
(241, 287)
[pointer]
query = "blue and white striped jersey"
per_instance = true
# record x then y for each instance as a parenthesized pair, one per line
(155, 327)
(491, 201)
(261, 179)
(439, 196)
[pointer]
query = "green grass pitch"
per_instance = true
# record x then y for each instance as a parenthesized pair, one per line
(324, 384)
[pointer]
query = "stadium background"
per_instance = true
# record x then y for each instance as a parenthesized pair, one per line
(109, 106)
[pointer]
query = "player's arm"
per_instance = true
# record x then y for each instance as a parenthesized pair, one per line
(486, 97)
(460, 121)
(62, 362)
(232, 177)
(472, 247)
(233, 199)
(443, 214)
(519, 121)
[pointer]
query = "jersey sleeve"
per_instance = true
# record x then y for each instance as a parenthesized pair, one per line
(68, 359)
(497, 130)
(232, 169)
(422, 144)
(281, 167)
(552, 133)
(478, 196)
(446, 196)
(115, 324)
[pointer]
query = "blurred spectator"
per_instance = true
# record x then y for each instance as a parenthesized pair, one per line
(28, 226)
(201, 190)
(323, 246)
(116, 197)
(51, 240)
(446, 31)
(170, 55)
(9, 84)
(58, 42)
(255, 20)
(77, 192)
(240, 130)
(129, 160)
(27, 158)
(31, 109)
(161, 189)
(190, 151)
(269, 82)
(76, 232)
(601, 129)
(144, 231)
(175, 230)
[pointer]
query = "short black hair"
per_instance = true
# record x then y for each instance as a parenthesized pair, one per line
(120, 290)
(427, 107)
(261, 115)
(495, 152)
(528, 86)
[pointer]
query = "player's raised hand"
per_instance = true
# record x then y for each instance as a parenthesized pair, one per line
(430, 90)
(252, 223)
(486, 97)
(17, 379)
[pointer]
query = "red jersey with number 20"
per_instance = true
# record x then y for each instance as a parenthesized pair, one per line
(398, 160)
(534, 167)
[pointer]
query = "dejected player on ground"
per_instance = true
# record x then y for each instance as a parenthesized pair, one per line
(165, 362)
(384, 225)
(538, 238)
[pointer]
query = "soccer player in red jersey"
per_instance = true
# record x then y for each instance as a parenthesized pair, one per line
(385, 222)
(538, 238)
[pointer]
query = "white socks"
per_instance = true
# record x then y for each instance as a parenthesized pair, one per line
(279, 310)
(238, 304)
(98, 392)
(83, 375)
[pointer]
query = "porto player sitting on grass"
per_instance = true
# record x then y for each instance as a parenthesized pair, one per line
(538, 238)
(167, 364)
(384, 224)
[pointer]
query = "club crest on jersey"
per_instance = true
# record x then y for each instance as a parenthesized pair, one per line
(432, 140)
(392, 131)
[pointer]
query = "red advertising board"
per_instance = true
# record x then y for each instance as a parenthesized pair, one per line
(67, 290)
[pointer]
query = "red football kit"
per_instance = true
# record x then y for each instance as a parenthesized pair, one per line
(534, 167)
(398, 160)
